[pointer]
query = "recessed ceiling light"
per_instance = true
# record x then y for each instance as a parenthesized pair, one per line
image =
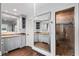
(14, 9)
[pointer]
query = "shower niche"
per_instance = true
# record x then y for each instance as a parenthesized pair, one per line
(65, 43)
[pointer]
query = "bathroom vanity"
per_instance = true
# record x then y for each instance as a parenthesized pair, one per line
(12, 40)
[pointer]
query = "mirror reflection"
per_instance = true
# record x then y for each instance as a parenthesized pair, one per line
(8, 23)
(41, 35)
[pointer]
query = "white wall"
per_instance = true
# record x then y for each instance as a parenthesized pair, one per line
(22, 8)
(29, 32)
(43, 7)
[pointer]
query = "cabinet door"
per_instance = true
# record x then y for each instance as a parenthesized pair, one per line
(12, 43)
(36, 37)
(17, 41)
(2, 46)
(7, 44)
(23, 40)
(44, 38)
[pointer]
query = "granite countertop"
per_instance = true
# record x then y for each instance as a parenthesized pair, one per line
(10, 34)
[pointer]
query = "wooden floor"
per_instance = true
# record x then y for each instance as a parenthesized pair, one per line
(25, 51)
(43, 45)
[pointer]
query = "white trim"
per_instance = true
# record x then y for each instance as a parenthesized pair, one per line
(76, 31)
(42, 51)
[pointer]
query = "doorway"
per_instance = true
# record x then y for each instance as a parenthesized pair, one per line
(65, 32)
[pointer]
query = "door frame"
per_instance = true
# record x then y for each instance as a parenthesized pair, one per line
(76, 28)
(36, 48)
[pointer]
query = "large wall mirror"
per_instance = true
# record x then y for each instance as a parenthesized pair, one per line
(42, 32)
(9, 23)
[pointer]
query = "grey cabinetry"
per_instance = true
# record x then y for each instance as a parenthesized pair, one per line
(11, 43)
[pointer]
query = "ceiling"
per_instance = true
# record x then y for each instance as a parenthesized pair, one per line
(11, 10)
(28, 9)
(18, 8)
